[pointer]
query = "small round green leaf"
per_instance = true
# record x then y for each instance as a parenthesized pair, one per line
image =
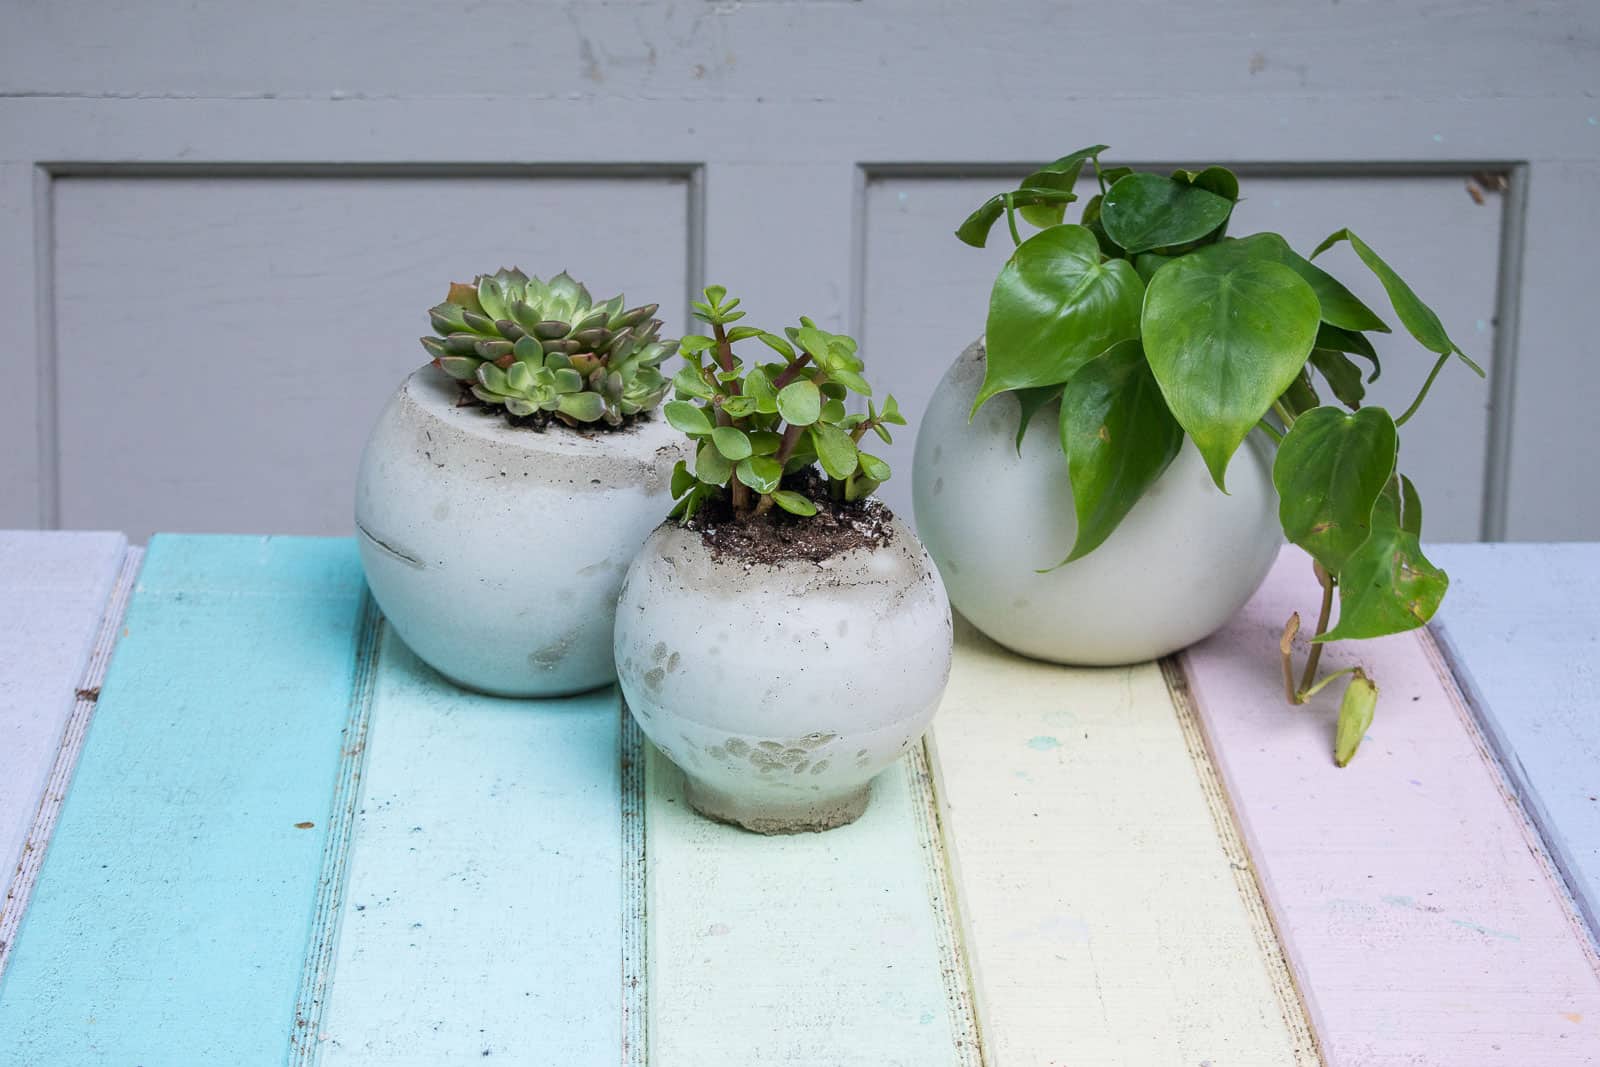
(873, 467)
(585, 407)
(687, 418)
(794, 503)
(711, 466)
(1225, 336)
(759, 473)
(800, 403)
(835, 451)
(731, 442)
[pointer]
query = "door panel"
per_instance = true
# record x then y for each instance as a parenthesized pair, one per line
(225, 343)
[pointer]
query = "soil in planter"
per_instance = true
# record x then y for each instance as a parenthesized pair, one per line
(779, 537)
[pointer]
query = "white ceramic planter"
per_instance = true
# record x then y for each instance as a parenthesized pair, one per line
(782, 690)
(1183, 561)
(497, 551)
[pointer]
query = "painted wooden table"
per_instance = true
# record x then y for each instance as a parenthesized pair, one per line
(266, 833)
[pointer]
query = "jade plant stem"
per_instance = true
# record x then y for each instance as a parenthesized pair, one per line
(741, 492)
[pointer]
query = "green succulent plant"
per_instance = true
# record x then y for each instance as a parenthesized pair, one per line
(527, 346)
(757, 424)
(1151, 324)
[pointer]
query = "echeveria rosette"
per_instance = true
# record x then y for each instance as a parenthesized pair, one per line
(1147, 323)
(530, 346)
(754, 424)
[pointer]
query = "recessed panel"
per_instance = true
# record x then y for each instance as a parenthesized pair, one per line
(225, 344)
(927, 295)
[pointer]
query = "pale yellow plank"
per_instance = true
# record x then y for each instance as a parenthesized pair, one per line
(1110, 914)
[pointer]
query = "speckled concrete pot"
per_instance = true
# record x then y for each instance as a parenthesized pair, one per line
(496, 552)
(782, 690)
(1183, 561)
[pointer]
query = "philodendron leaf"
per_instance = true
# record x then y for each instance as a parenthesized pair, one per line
(1145, 211)
(1219, 180)
(1355, 717)
(1118, 437)
(1418, 317)
(1340, 307)
(1226, 334)
(1054, 307)
(1060, 175)
(1342, 376)
(1387, 586)
(1030, 401)
(1329, 471)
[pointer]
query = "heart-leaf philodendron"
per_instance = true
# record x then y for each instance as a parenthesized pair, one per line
(1147, 324)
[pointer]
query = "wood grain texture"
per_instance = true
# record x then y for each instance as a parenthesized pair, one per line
(1424, 925)
(1105, 915)
(812, 949)
(481, 919)
(171, 919)
(1522, 628)
(54, 592)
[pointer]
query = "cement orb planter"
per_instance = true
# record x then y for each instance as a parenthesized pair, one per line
(496, 551)
(781, 690)
(1186, 558)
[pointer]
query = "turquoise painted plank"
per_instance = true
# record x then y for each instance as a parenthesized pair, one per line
(53, 591)
(171, 919)
(1522, 629)
(481, 919)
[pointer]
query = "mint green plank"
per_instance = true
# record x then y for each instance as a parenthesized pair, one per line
(481, 914)
(170, 922)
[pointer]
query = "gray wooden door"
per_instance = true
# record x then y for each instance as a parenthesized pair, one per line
(220, 226)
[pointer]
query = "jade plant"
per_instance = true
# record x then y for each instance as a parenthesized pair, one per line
(1149, 323)
(760, 425)
(547, 350)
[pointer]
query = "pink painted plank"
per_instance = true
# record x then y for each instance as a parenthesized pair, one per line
(1423, 921)
(53, 589)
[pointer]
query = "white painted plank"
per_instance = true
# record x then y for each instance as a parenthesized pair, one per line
(481, 916)
(1111, 912)
(813, 949)
(54, 588)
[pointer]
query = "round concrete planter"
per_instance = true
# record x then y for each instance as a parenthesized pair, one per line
(496, 551)
(782, 690)
(1183, 561)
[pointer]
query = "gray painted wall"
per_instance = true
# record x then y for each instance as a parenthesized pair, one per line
(220, 225)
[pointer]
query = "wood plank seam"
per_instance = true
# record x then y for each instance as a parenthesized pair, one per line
(1291, 1001)
(1532, 835)
(304, 1034)
(954, 961)
(66, 761)
(635, 913)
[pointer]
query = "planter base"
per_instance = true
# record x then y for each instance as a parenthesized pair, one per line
(776, 817)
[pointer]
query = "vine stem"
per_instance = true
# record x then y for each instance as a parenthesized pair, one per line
(1011, 221)
(1438, 365)
(1271, 431)
(1315, 655)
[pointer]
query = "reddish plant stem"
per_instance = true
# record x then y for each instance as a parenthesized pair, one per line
(742, 507)
(1315, 655)
(791, 371)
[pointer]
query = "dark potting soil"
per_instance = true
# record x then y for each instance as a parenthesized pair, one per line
(779, 537)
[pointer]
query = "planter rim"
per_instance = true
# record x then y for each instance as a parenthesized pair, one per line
(435, 393)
